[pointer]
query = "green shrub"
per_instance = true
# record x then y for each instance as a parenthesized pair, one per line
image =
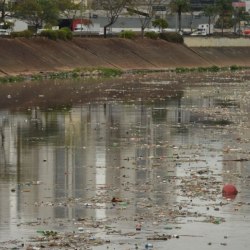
(160, 23)
(201, 69)
(75, 74)
(11, 79)
(110, 72)
(7, 25)
(181, 70)
(68, 32)
(129, 34)
(50, 34)
(214, 68)
(234, 67)
(61, 34)
(25, 33)
(172, 37)
(151, 35)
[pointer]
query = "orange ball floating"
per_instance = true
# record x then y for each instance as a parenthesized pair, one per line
(229, 191)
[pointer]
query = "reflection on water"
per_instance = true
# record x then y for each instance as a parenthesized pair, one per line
(60, 163)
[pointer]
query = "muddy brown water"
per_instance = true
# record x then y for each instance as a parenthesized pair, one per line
(163, 148)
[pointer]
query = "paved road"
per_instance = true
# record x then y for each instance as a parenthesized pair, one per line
(134, 22)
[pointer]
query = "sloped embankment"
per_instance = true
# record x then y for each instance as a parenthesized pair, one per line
(19, 56)
(224, 56)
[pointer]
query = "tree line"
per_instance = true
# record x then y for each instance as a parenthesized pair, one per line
(38, 13)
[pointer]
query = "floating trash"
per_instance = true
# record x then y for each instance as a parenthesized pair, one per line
(229, 191)
(148, 245)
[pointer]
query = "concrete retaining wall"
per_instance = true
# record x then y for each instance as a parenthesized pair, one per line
(39, 54)
(24, 56)
(217, 42)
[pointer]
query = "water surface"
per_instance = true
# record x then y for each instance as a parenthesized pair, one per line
(166, 159)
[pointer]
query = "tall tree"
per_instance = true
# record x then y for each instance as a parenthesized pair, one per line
(224, 8)
(5, 9)
(210, 11)
(38, 12)
(2, 10)
(146, 15)
(179, 6)
(113, 9)
(68, 8)
(239, 15)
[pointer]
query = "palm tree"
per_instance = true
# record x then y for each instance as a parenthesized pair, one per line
(210, 11)
(224, 7)
(240, 15)
(179, 6)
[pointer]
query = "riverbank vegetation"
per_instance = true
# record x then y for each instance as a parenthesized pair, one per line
(102, 72)
(76, 73)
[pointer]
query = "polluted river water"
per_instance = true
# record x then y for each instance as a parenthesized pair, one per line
(130, 168)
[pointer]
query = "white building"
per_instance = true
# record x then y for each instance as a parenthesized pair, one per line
(248, 6)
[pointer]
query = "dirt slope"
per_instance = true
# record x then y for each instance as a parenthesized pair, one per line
(19, 56)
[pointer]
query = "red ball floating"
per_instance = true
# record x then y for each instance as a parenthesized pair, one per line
(229, 191)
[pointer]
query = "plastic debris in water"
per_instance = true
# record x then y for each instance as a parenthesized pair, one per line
(229, 191)
(148, 245)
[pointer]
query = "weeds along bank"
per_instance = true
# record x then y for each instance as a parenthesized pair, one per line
(34, 55)
(107, 73)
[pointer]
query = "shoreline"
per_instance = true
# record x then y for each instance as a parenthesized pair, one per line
(64, 93)
(110, 73)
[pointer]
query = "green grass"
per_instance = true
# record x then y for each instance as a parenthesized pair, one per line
(11, 79)
(111, 72)
(76, 73)
(213, 68)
